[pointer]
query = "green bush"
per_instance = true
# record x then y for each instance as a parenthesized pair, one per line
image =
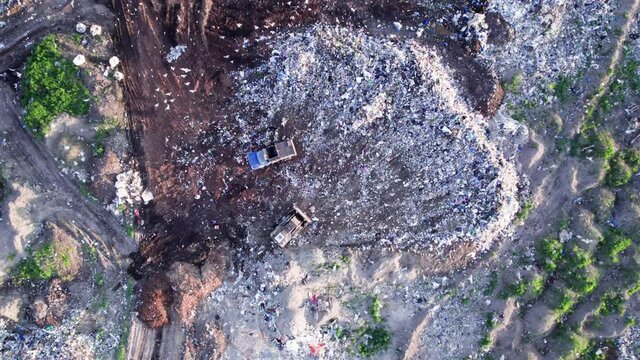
(592, 142)
(633, 289)
(565, 305)
(41, 264)
(537, 285)
(485, 342)
(51, 86)
(632, 158)
(621, 167)
(513, 86)
(372, 341)
(561, 88)
(575, 273)
(524, 211)
(611, 304)
(490, 321)
(613, 243)
(374, 310)
(550, 251)
(515, 290)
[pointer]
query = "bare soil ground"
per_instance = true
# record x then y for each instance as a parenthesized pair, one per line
(210, 275)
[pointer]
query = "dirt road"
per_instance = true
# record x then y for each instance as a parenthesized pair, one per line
(28, 162)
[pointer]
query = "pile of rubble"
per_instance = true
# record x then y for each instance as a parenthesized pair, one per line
(628, 344)
(129, 191)
(392, 152)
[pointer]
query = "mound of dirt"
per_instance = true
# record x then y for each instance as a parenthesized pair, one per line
(156, 297)
(192, 284)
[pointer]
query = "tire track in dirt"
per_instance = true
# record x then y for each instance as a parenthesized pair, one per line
(33, 163)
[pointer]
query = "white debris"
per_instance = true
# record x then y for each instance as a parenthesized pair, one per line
(81, 28)
(79, 60)
(175, 53)
(118, 76)
(95, 30)
(147, 196)
(397, 25)
(114, 61)
(128, 188)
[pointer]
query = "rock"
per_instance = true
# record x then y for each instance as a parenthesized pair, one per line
(95, 30)
(81, 28)
(79, 60)
(397, 25)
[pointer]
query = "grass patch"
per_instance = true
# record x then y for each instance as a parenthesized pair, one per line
(513, 85)
(621, 167)
(51, 86)
(130, 231)
(374, 310)
(561, 88)
(550, 251)
(612, 303)
(490, 287)
(525, 210)
(612, 244)
(121, 351)
(371, 341)
(41, 264)
(102, 133)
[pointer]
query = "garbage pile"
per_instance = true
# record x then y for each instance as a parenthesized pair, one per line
(6, 5)
(392, 154)
(628, 344)
(555, 38)
(65, 341)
